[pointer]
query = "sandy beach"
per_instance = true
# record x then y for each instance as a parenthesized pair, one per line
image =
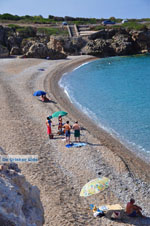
(61, 173)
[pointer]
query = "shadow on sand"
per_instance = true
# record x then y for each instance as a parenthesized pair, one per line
(137, 221)
(48, 101)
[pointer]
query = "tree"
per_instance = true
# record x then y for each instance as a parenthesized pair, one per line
(112, 18)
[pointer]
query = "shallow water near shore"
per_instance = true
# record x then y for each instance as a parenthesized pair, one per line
(115, 93)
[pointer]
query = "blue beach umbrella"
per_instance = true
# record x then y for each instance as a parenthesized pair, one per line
(39, 93)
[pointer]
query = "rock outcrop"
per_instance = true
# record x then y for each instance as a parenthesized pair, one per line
(40, 50)
(106, 42)
(69, 46)
(111, 43)
(20, 203)
(4, 52)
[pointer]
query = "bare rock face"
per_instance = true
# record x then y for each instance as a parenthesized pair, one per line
(15, 50)
(40, 50)
(142, 38)
(122, 44)
(99, 48)
(3, 51)
(111, 44)
(56, 44)
(20, 203)
(69, 46)
(2, 34)
(25, 45)
(37, 50)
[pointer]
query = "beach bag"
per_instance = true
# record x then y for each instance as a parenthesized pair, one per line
(51, 136)
(98, 213)
(116, 215)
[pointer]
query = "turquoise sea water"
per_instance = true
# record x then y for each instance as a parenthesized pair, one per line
(115, 92)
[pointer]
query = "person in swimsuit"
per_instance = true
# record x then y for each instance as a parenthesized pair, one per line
(133, 210)
(76, 129)
(60, 124)
(67, 129)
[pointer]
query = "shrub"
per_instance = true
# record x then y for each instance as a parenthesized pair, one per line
(52, 31)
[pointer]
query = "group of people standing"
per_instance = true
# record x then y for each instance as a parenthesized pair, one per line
(64, 129)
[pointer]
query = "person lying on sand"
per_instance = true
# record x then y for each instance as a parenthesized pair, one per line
(44, 98)
(133, 210)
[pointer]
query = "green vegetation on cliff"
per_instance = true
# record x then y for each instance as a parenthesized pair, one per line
(32, 31)
(136, 24)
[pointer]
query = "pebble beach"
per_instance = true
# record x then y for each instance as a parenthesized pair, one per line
(61, 172)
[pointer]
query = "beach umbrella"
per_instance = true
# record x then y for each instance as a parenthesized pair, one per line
(95, 186)
(58, 113)
(39, 93)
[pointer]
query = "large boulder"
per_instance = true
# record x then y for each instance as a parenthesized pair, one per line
(40, 50)
(13, 41)
(99, 48)
(4, 52)
(122, 44)
(70, 46)
(37, 50)
(56, 44)
(142, 39)
(19, 201)
(15, 50)
(26, 44)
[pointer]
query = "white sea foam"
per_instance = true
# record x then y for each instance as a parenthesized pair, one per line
(81, 66)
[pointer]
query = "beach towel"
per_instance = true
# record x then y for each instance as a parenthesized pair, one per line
(110, 207)
(41, 69)
(75, 145)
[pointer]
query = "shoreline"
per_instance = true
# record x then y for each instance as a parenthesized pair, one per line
(134, 164)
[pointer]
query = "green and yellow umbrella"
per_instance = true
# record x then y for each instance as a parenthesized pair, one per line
(95, 186)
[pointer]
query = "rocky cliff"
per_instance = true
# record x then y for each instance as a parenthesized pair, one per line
(117, 42)
(20, 203)
(105, 42)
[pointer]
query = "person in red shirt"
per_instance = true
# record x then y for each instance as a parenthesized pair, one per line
(133, 210)
(48, 124)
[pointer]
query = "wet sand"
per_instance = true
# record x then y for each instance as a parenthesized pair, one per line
(61, 172)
